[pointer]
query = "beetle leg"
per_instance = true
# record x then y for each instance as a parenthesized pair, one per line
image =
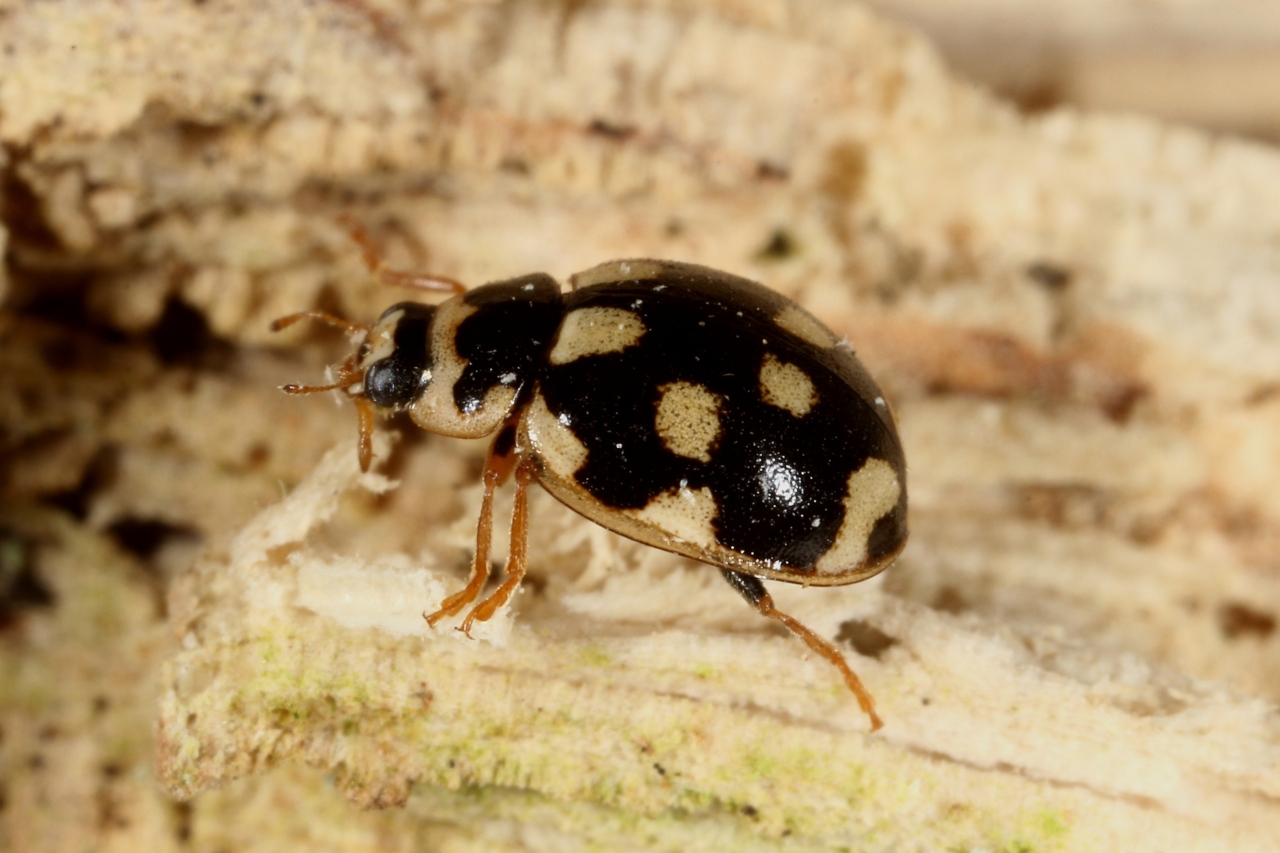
(484, 611)
(281, 323)
(498, 466)
(754, 592)
(394, 277)
(364, 423)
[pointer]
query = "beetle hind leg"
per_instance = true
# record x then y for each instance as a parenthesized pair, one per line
(754, 592)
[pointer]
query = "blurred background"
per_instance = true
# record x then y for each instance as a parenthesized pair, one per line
(1212, 64)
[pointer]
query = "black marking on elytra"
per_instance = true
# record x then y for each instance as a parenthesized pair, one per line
(890, 530)
(772, 474)
(504, 342)
(395, 381)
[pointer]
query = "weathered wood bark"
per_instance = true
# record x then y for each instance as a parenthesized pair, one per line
(1077, 318)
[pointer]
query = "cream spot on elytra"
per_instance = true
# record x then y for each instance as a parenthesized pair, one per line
(873, 492)
(552, 440)
(612, 271)
(596, 331)
(805, 326)
(688, 420)
(687, 515)
(786, 386)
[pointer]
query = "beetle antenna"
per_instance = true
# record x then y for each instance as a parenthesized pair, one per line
(293, 388)
(286, 322)
(347, 376)
(394, 277)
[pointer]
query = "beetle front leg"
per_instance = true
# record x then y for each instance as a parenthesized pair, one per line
(498, 466)
(516, 562)
(754, 592)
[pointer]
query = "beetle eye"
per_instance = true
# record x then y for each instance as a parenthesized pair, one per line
(395, 380)
(392, 383)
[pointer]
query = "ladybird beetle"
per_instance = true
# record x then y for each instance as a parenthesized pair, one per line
(682, 407)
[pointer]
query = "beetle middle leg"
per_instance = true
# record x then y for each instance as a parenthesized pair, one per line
(498, 465)
(754, 592)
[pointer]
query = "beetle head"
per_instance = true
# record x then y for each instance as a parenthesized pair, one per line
(395, 359)
(388, 370)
